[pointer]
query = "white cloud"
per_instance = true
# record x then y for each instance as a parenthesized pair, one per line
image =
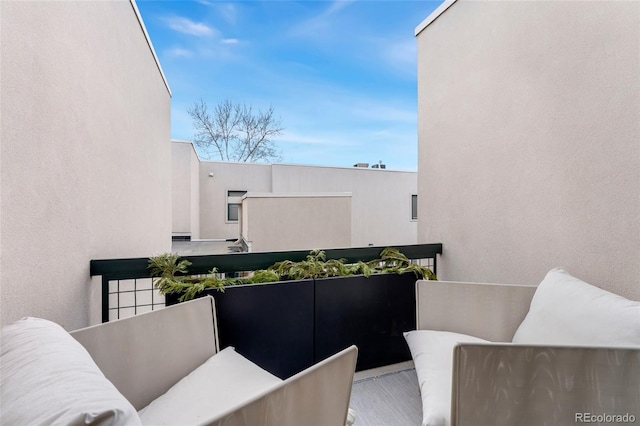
(359, 108)
(228, 12)
(189, 27)
(230, 41)
(319, 25)
(180, 52)
(337, 6)
(401, 52)
(400, 56)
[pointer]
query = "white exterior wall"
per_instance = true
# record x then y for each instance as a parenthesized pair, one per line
(529, 141)
(276, 221)
(381, 199)
(213, 194)
(85, 154)
(186, 189)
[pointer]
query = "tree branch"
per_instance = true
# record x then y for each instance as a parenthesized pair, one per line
(235, 132)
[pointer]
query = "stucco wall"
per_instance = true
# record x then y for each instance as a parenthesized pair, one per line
(194, 200)
(381, 199)
(185, 189)
(213, 194)
(529, 141)
(272, 222)
(86, 167)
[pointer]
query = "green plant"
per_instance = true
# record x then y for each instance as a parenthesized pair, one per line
(166, 266)
(393, 261)
(170, 273)
(315, 265)
(261, 276)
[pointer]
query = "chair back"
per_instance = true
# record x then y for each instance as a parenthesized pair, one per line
(144, 355)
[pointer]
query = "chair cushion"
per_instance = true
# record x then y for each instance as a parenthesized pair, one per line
(224, 381)
(432, 353)
(567, 311)
(49, 378)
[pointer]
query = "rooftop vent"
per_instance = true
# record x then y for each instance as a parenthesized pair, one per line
(362, 165)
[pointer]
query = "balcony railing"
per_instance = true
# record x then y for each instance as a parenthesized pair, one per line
(127, 287)
(288, 326)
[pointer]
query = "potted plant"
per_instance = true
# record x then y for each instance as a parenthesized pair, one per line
(292, 314)
(171, 273)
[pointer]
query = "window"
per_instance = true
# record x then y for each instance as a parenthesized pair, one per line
(414, 207)
(234, 201)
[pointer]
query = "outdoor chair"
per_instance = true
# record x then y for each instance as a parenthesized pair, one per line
(161, 367)
(562, 353)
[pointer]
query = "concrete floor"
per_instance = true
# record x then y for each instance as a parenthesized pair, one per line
(392, 399)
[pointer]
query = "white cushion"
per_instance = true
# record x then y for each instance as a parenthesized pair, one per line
(432, 353)
(567, 311)
(48, 378)
(224, 381)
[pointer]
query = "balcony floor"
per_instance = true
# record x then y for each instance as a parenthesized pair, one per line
(387, 398)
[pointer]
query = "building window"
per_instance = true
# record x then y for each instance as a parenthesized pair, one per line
(234, 201)
(414, 207)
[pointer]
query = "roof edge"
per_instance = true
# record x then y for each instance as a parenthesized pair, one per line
(446, 4)
(260, 194)
(153, 51)
(203, 161)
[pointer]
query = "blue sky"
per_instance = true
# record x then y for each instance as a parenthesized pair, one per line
(341, 75)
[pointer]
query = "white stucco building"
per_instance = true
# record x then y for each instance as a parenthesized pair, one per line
(529, 140)
(86, 153)
(356, 206)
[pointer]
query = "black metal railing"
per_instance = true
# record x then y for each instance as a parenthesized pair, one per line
(127, 286)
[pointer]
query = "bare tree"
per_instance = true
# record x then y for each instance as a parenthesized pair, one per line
(233, 132)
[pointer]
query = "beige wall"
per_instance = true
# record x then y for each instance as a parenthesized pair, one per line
(381, 199)
(213, 194)
(273, 221)
(86, 167)
(529, 130)
(185, 189)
